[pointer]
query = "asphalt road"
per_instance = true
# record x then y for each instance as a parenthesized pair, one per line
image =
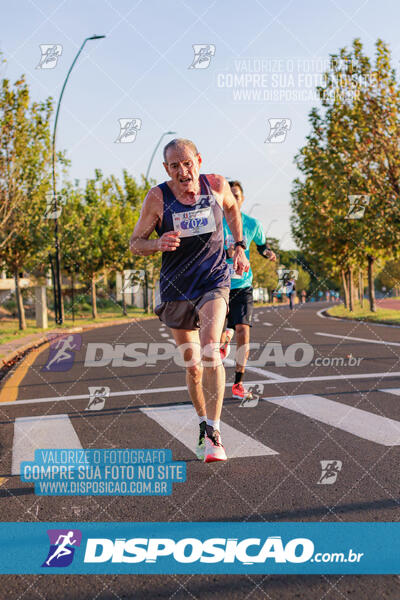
(300, 420)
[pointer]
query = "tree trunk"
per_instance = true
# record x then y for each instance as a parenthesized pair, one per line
(20, 304)
(361, 288)
(94, 298)
(153, 295)
(146, 292)
(345, 289)
(62, 304)
(371, 288)
(124, 311)
(122, 291)
(73, 296)
(62, 312)
(351, 289)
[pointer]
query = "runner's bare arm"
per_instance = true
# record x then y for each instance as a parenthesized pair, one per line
(233, 218)
(150, 215)
(226, 200)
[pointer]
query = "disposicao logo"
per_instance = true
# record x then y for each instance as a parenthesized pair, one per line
(190, 550)
(62, 547)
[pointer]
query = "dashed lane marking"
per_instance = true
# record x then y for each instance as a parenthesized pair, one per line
(357, 339)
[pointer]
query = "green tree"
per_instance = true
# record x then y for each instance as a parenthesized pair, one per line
(96, 224)
(264, 271)
(348, 153)
(389, 277)
(303, 278)
(25, 162)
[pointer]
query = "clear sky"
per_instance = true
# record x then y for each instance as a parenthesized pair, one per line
(141, 70)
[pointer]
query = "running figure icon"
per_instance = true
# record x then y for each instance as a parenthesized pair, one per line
(64, 346)
(62, 549)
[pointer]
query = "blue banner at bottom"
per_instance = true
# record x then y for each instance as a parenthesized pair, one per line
(203, 548)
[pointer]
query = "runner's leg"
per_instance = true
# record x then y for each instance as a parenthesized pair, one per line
(212, 317)
(188, 342)
(242, 346)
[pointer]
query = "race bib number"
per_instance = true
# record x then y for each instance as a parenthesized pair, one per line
(194, 222)
(232, 273)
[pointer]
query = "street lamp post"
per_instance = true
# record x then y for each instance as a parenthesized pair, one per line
(254, 205)
(56, 272)
(146, 287)
(155, 150)
(269, 226)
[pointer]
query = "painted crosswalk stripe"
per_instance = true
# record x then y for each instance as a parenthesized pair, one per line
(395, 391)
(32, 433)
(268, 324)
(361, 423)
(182, 423)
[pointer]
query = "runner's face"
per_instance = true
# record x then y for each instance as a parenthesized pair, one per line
(237, 192)
(183, 166)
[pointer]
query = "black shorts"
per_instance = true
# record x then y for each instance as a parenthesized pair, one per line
(184, 314)
(240, 307)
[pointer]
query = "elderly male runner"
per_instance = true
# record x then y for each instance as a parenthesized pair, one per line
(241, 294)
(187, 213)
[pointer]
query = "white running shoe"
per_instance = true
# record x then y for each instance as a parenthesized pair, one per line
(201, 444)
(214, 450)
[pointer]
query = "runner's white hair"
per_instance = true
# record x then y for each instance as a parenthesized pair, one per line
(179, 142)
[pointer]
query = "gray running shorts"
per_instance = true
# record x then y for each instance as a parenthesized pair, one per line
(183, 314)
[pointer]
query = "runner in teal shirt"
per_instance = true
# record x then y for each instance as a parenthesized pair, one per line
(241, 293)
(252, 232)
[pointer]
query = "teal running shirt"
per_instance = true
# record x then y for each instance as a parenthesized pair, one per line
(252, 232)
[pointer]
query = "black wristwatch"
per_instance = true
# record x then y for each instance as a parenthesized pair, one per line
(242, 244)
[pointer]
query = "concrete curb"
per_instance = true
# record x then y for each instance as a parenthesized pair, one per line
(10, 359)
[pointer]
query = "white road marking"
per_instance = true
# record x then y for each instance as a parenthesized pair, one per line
(357, 339)
(291, 329)
(361, 423)
(182, 423)
(346, 377)
(32, 433)
(228, 362)
(183, 388)
(164, 335)
(268, 324)
(395, 391)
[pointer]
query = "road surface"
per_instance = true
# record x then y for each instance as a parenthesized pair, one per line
(337, 401)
